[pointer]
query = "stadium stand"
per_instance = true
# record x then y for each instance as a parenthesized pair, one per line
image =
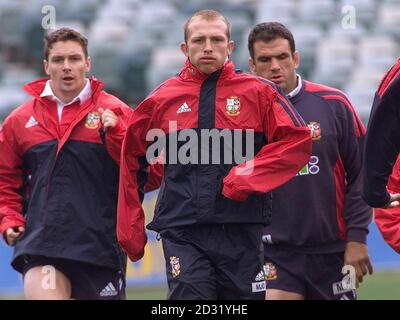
(135, 42)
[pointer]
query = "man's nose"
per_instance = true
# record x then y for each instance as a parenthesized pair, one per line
(208, 46)
(275, 64)
(66, 65)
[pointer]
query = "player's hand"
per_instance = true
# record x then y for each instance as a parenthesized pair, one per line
(108, 118)
(356, 255)
(393, 202)
(13, 234)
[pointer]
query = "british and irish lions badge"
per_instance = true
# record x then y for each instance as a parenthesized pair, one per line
(233, 106)
(92, 120)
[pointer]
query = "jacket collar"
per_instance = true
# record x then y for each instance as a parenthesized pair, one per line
(298, 88)
(82, 97)
(36, 88)
(189, 71)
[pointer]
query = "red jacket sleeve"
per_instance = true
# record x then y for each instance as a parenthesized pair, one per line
(388, 220)
(154, 179)
(130, 220)
(115, 135)
(114, 138)
(10, 182)
(288, 150)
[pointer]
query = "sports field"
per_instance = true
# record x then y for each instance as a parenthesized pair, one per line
(380, 286)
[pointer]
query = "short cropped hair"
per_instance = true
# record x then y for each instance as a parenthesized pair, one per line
(268, 31)
(207, 15)
(64, 34)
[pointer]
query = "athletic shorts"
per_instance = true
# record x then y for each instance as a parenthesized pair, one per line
(88, 281)
(315, 276)
(210, 262)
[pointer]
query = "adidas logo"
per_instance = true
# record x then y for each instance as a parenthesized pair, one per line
(31, 122)
(260, 276)
(108, 291)
(184, 108)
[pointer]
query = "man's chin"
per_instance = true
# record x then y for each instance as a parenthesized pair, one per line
(280, 84)
(208, 69)
(68, 85)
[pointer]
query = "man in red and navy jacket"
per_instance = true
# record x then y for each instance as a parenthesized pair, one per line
(381, 157)
(211, 207)
(319, 220)
(59, 179)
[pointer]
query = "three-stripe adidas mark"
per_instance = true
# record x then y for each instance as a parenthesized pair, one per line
(31, 122)
(184, 108)
(108, 291)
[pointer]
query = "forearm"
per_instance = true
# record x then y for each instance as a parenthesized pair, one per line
(275, 164)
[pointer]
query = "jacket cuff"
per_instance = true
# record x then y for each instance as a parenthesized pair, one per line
(357, 235)
(232, 194)
(136, 257)
(377, 202)
(10, 224)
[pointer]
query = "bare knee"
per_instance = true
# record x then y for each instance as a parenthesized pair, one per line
(276, 294)
(46, 283)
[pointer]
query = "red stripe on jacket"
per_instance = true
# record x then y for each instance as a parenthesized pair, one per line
(340, 182)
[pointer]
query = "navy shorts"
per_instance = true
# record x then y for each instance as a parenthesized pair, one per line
(315, 276)
(210, 262)
(88, 281)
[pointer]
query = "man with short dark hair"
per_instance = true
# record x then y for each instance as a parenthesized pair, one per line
(212, 206)
(319, 221)
(59, 179)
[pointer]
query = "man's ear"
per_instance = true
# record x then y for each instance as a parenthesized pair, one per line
(88, 63)
(231, 46)
(296, 59)
(46, 66)
(184, 48)
(252, 65)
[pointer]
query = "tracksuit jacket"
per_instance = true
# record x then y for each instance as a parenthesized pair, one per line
(60, 180)
(321, 208)
(216, 192)
(381, 155)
